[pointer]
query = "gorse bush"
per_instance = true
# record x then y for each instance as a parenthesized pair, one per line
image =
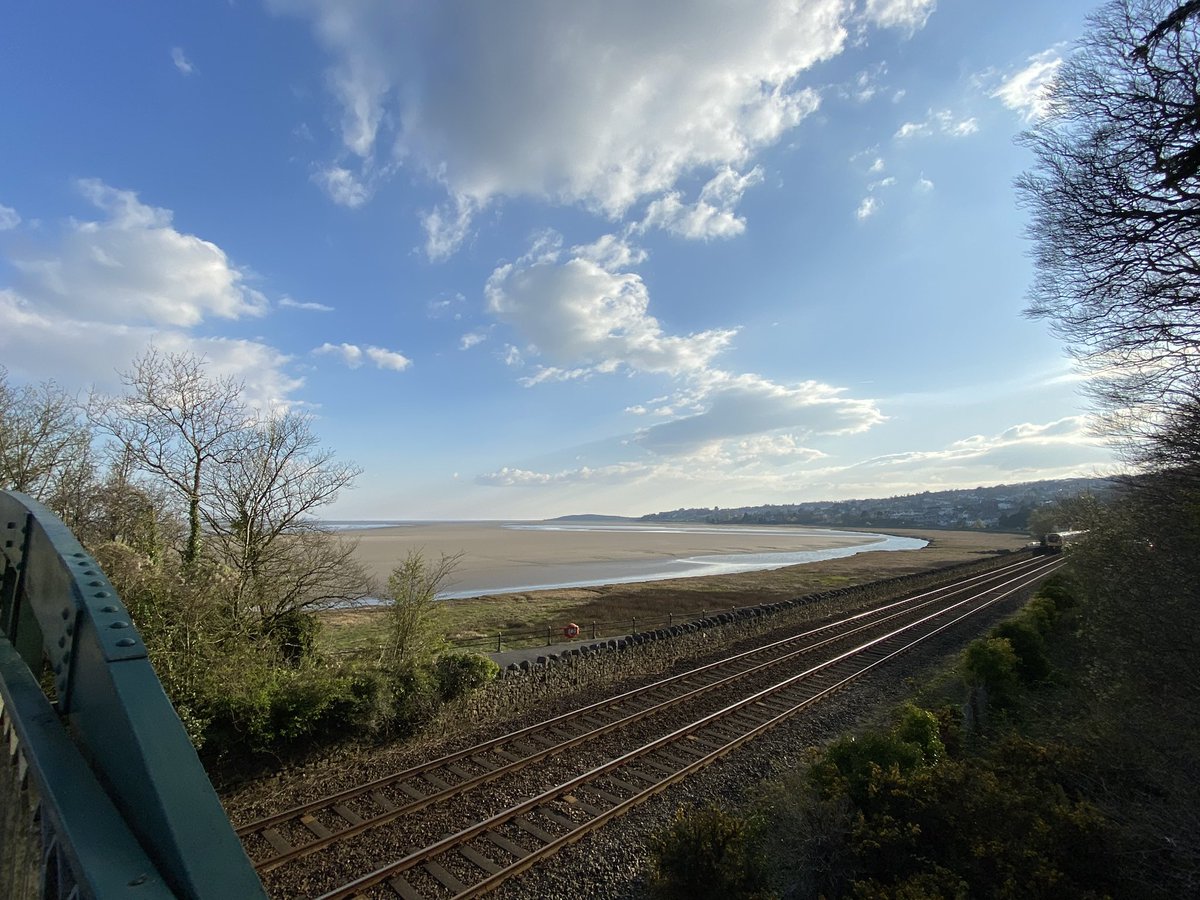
(707, 854)
(460, 673)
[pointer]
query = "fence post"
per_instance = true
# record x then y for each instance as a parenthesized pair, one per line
(593, 631)
(633, 630)
(670, 619)
(549, 631)
(499, 638)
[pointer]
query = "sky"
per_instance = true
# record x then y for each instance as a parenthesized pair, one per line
(536, 258)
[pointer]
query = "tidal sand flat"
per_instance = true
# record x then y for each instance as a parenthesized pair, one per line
(499, 557)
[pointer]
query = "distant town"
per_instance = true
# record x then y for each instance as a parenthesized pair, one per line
(1005, 507)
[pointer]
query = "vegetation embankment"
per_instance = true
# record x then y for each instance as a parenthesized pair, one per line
(201, 511)
(1057, 759)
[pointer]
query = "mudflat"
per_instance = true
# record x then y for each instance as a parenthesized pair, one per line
(500, 557)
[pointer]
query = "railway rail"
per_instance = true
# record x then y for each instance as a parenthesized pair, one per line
(680, 724)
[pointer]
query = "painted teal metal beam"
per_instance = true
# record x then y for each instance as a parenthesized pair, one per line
(112, 703)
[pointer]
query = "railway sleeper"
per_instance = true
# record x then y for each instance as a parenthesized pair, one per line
(508, 846)
(534, 830)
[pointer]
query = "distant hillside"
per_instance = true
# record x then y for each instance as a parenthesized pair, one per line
(594, 518)
(1005, 507)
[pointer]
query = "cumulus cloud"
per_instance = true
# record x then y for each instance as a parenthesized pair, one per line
(134, 266)
(712, 215)
(182, 63)
(8, 218)
(866, 209)
(586, 318)
(1028, 91)
(46, 344)
(471, 339)
(601, 104)
(354, 356)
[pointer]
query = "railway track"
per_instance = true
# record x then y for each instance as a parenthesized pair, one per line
(677, 725)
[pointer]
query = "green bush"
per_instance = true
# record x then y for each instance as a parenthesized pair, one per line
(1060, 590)
(855, 765)
(1032, 665)
(416, 697)
(921, 727)
(460, 673)
(706, 854)
(1041, 614)
(267, 707)
(991, 664)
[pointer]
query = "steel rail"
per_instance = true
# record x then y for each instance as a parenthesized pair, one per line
(356, 824)
(869, 621)
(391, 873)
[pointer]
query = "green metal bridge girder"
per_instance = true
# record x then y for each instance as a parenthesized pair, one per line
(124, 805)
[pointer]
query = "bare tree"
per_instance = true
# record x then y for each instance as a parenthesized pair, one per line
(174, 422)
(1115, 203)
(45, 446)
(259, 508)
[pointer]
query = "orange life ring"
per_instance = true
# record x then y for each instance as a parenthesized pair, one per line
(571, 631)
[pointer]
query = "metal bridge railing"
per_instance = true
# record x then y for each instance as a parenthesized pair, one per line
(101, 792)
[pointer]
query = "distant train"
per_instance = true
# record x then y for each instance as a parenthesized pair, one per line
(1054, 541)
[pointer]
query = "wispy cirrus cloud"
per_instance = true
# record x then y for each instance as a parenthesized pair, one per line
(1027, 91)
(181, 62)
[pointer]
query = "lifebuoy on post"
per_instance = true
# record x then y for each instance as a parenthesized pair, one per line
(571, 631)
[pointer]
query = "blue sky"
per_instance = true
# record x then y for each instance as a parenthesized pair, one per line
(537, 258)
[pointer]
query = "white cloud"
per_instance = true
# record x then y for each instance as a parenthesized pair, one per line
(45, 344)
(471, 339)
(447, 226)
(1024, 448)
(712, 215)
(354, 356)
(907, 15)
(289, 303)
(134, 267)
(938, 122)
(611, 252)
(182, 63)
(866, 209)
(601, 104)
(388, 359)
(924, 185)
(342, 186)
(741, 406)
(516, 477)
(8, 218)
(579, 314)
(1028, 91)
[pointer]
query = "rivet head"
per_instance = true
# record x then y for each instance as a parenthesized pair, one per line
(100, 594)
(70, 629)
(66, 613)
(109, 609)
(119, 625)
(126, 642)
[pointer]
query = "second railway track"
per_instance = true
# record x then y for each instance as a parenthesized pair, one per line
(574, 772)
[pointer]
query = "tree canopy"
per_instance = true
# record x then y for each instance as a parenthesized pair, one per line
(1114, 198)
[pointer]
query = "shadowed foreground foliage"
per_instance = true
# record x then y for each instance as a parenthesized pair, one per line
(1063, 765)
